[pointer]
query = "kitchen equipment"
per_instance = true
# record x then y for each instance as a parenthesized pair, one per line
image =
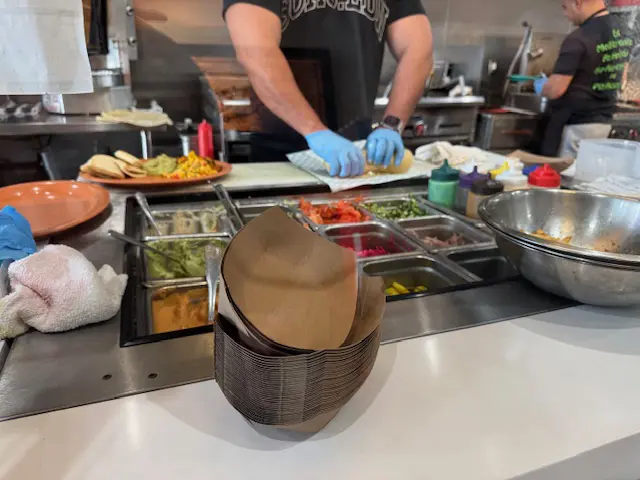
(521, 58)
(438, 118)
(505, 132)
(54, 207)
(600, 158)
(586, 281)
(365, 238)
(417, 270)
(232, 211)
(486, 263)
(574, 270)
(595, 222)
(132, 241)
(112, 43)
(144, 206)
(435, 233)
(527, 103)
(213, 255)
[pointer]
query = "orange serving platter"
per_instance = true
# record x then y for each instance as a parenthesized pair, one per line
(157, 181)
(55, 206)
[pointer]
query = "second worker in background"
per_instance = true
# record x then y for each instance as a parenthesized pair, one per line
(347, 39)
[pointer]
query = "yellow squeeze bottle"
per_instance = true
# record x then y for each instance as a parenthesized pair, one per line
(501, 169)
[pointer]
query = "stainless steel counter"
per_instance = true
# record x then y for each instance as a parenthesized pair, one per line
(468, 101)
(49, 124)
(45, 372)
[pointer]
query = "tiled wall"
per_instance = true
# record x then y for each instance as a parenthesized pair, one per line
(469, 21)
(474, 22)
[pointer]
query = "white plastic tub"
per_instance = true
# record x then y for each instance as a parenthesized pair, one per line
(600, 158)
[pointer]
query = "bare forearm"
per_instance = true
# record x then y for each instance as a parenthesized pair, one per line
(273, 82)
(408, 84)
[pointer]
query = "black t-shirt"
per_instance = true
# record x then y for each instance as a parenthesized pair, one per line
(347, 38)
(595, 55)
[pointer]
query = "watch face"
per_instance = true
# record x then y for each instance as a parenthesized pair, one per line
(391, 121)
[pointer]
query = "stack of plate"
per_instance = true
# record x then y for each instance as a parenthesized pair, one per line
(298, 327)
(592, 254)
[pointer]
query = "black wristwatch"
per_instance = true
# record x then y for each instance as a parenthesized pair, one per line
(392, 123)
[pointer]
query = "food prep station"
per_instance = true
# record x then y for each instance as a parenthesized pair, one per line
(157, 342)
(410, 252)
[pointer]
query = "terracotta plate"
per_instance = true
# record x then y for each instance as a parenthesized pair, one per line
(155, 181)
(53, 207)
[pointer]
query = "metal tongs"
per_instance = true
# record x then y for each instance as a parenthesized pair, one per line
(144, 206)
(213, 257)
(237, 220)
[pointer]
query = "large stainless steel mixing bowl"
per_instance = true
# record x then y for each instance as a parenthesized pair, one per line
(594, 221)
(586, 281)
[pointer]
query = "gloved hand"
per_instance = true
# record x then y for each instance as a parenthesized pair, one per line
(382, 143)
(539, 83)
(343, 157)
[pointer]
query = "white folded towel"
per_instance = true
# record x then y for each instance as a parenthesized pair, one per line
(58, 289)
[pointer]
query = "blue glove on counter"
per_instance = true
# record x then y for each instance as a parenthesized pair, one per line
(16, 240)
(539, 83)
(382, 144)
(343, 157)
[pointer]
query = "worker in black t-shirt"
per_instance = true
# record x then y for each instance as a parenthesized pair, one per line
(350, 35)
(586, 78)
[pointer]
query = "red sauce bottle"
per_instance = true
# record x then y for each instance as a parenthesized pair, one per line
(205, 140)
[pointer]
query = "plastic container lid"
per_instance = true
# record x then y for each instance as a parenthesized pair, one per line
(515, 163)
(466, 180)
(486, 187)
(529, 168)
(445, 173)
(513, 178)
(545, 177)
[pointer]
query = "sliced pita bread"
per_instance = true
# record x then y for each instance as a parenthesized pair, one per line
(139, 118)
(105, 166)
(133, 172)
(127, 157)
(129, 170)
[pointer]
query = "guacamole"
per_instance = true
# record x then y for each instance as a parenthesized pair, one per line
(160, 165)
(189, 251)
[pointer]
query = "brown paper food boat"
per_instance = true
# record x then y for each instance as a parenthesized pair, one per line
(296, 288)
(272, 358)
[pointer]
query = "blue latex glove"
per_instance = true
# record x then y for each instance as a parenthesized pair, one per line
(539, 83)
(16, 240)
(382, 144)
(343, 157)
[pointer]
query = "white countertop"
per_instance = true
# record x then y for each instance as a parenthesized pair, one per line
(494, 401)
(255, 175)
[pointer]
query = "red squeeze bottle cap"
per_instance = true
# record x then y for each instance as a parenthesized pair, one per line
(545, 177)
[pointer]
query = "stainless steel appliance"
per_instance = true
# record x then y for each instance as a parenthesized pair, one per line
(111, 43)
(503, 132)
(451, 119)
